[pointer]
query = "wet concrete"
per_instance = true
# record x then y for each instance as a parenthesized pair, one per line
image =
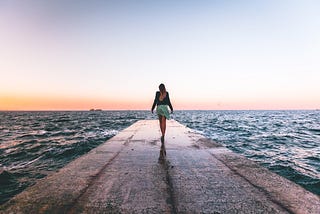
(134, 173)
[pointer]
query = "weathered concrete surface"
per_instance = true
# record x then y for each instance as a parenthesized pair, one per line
(124, 175)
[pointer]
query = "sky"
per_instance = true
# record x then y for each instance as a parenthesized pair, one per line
(215, 55)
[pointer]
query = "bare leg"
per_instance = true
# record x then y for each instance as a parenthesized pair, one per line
(164, 125)
(162, 121)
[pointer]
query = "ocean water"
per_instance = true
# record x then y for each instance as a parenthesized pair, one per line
(36, 144)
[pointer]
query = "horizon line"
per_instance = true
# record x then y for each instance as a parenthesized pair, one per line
(99, 110)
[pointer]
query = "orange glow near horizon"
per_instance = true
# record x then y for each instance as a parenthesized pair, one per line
(34, 103)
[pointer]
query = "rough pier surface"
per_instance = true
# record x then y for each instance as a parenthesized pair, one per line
(124, 175)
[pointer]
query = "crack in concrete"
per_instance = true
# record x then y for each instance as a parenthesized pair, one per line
(265, 192)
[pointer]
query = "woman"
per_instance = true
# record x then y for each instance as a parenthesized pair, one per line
(162, 101)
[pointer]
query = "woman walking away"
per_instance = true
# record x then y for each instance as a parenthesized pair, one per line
(162, 101)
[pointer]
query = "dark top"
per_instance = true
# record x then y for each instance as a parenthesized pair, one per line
(165, 101)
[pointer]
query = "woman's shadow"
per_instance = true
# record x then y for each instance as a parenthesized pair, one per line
(163, 153)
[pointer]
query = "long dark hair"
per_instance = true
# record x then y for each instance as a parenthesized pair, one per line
(162, 88)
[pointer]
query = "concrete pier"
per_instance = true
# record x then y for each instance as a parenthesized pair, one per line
(130, 174)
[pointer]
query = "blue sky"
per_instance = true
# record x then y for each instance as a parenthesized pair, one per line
(114, 54)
